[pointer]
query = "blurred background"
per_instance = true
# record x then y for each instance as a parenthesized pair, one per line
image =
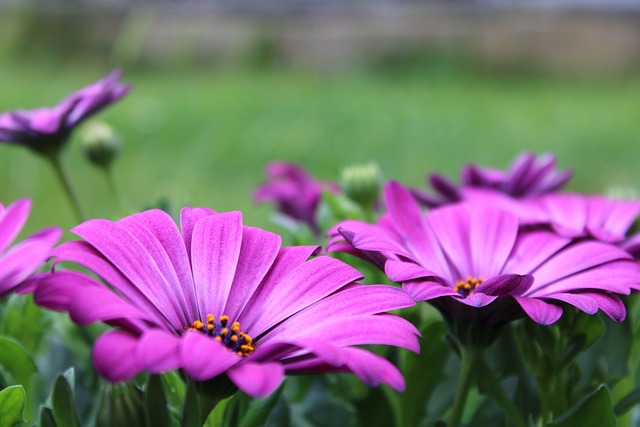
(222, 87)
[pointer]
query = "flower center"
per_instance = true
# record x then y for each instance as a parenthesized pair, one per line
(466, 287)
(231, 336)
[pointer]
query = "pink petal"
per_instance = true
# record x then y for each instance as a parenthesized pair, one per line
(203, 358)
(257, 254)
(215, 249)
(159, 235)
(132, 259)
(289, 258)
(113, 356)
(188, 218)
(158, 352)
(372, 369)
(539, 311)
(257, 379)
(85, 255)
(405, 213)
(305, 285)
(12, 220)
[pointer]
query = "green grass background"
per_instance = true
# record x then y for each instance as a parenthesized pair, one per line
(203, 136)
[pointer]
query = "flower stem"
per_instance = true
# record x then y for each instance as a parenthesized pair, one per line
(114, 190)
(68, 188)
(490, 385)
(470, 357)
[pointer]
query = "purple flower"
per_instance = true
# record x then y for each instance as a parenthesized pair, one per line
(45, 129)
(528, 176)
(479, 267)
(19, 261)
(294, 191)
(221, 298)
(577, 215)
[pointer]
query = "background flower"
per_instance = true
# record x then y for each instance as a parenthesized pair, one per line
(527, 176)
(222, 298)
(19, 261)
(46, 129)
(294, 191)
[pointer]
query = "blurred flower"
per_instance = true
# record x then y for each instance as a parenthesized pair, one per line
(46, 130)
(480, 269)
(221, 298)
(100, 143)
(577, 215)
(294, 191)
(528, 176)
(362, 184)
(19, 261)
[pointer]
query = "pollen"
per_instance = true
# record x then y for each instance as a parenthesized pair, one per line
(231, 336)
(466, 287)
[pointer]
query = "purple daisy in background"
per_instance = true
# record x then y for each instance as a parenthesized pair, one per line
(221, 298)
(296, 194)
(478, 267)
(577, 215)
(528, 176)
(45, 129)
(21, 260)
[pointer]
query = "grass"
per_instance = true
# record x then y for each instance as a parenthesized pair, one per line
(202, 137)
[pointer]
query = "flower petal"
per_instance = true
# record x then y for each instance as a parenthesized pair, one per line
(158, 352)
(113, 356)
(129, 256)
(257, 379)
(188, 218)
(373, 370)
(257, 254)
(505, 284)
(12, 220)
(202, 358)
(305, 285)
(539, 311)
(215, 249)
(158, 233)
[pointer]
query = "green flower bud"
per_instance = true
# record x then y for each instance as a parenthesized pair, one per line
(362, 184)
(121, 404)
(100, 143)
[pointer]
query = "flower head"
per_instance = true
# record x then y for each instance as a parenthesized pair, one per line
(294, 191)
(46, 129)
(221, 298)
(19, 261)
(528, 176)
(478, 266)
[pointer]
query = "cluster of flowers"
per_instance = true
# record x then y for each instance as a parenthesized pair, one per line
(216, 297)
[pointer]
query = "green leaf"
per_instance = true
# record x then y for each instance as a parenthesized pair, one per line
(12, 402)
(24, 320)
(423, 372)
(594, 410)
(16, 362)
(191, 408)
(627, 402)
(64, 411)
(46, 418)
(259, 410)
(156, 413)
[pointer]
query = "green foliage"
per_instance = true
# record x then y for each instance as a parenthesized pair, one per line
(596, 409)
(62, 401)
(12, 403)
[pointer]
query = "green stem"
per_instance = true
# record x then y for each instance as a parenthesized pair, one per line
(490, 385)
(66, 185)
(114, 190)
(470, 358)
